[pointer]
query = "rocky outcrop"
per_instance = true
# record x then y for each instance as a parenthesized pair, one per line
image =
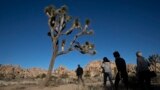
(63, 72)
(131, 69)
(156, 67)
(10, 72)
(34, 72)
(16, 72)
(94, 68)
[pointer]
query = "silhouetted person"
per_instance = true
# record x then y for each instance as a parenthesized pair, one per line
(144, 79)
(106, 66)
(122, 73)
(79, 73)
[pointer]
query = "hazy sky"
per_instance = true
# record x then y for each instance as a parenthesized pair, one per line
(123, 25)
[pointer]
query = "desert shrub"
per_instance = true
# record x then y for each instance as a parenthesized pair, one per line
(53, 78)
(38, 76)
(1, 76)
(65, 76)
(43, 75)
(97, 75)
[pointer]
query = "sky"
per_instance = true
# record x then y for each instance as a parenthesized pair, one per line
(123, 25)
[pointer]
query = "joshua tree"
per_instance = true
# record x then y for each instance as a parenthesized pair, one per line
(58, 19)
(154, 59)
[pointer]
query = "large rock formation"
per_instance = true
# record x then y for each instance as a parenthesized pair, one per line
(94, 68)
(10, 72)
(131, 69)
(16, 72)
(63, 72)
(155, 67)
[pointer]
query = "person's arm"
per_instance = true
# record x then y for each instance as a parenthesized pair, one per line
(117, 65)
(124, 64)
(139, 63)
(102, 66)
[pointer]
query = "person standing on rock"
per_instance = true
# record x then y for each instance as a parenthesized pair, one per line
(106, 67)
(79, 73)
(122, 72)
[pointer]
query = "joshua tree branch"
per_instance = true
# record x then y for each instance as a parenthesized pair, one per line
(65, 52)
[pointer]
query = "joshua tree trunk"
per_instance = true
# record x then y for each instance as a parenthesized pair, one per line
(49, 73)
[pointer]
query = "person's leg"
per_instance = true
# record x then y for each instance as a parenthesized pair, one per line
(78, 79)
(141, 80)
(125, 79)
(82, 80)
(148, 80)
(117, 79)
(110, 78)
(104, 78)
(125, 82)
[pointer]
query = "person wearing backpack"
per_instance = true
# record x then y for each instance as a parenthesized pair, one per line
(143, 72)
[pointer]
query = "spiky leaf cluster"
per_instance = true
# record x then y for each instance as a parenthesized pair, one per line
(58, 19)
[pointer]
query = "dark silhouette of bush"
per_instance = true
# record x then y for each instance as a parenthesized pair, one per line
(41, 76)
(1, 76)
(65, 76)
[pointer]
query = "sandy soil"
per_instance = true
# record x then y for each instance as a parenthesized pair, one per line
(88, 86)
(33, 86)
(61, 87)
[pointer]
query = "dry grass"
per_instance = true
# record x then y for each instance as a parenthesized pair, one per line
(35, 85)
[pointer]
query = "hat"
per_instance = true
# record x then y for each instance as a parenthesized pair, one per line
(105, 59)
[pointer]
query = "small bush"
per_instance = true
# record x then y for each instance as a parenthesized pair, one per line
(43, 75)
(65, 75)
(1, 76)
(38, 76)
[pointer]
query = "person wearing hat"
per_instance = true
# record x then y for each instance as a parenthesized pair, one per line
(106, 67)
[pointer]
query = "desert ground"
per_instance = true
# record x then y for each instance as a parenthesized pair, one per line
(35, 85)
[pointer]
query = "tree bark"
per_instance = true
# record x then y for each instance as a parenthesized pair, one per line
(48, 77)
